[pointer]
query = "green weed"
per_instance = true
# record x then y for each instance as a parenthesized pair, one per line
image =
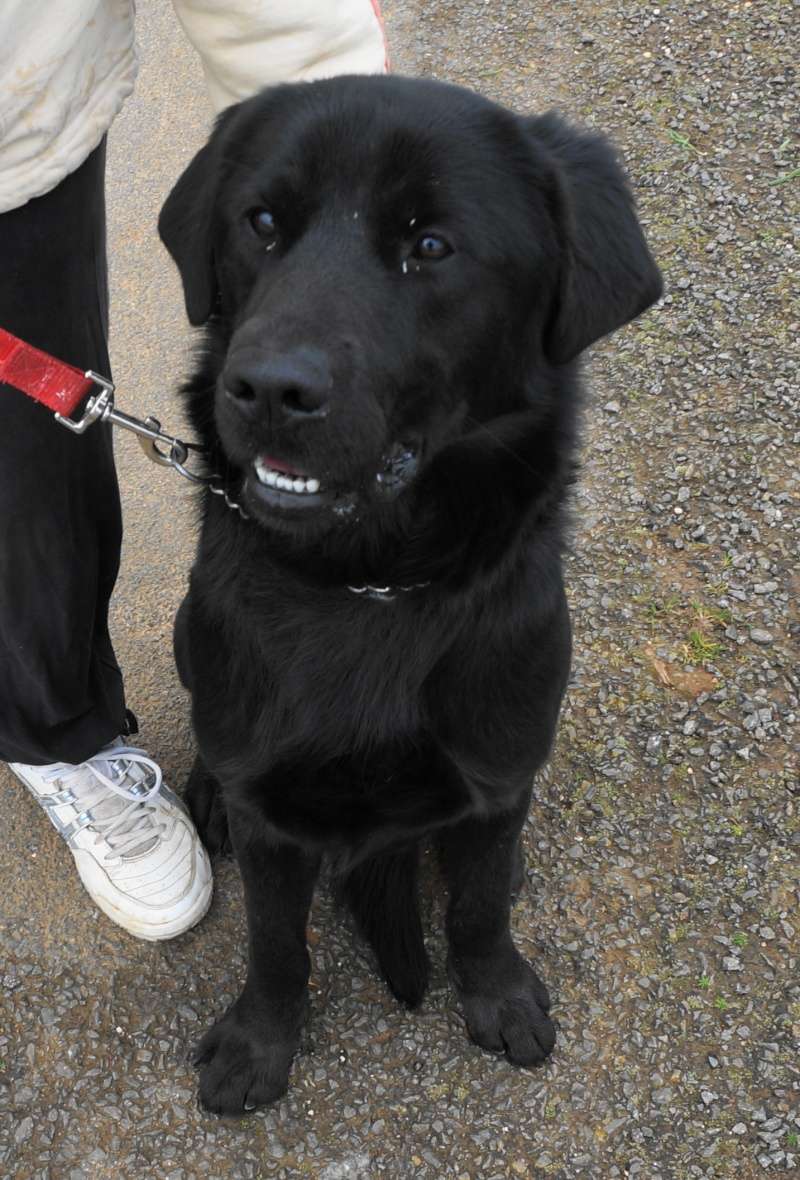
(701, 648)
(792, 174)
(683, 141)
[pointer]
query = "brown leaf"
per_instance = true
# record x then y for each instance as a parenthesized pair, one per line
(662, 669)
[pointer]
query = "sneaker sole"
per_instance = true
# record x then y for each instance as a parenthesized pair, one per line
(150, 931)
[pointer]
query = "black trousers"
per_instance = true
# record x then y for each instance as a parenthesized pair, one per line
(61, 693)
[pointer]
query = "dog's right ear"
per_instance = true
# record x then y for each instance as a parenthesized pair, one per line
(186, 223)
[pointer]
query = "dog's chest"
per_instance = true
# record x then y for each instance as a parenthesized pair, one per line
(332, 731)
(364, 798)
(350, 685)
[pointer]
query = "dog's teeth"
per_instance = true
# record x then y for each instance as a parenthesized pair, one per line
(276, 479)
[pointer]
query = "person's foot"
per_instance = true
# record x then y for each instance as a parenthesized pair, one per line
(135, 846)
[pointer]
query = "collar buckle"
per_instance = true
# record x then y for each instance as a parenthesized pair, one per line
(385, 593)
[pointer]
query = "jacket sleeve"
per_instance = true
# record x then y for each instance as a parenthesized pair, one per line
(247, 44)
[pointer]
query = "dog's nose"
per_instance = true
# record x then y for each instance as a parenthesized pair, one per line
(292, 385)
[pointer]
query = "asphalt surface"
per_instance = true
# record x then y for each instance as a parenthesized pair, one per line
(663, 845)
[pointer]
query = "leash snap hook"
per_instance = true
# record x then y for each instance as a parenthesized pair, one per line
(149, 434)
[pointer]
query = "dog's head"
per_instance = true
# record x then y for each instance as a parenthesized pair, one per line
(384, 264)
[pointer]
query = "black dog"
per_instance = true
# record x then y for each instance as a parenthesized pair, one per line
(396, 278)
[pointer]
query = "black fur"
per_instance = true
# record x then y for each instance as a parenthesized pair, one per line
(405, 330)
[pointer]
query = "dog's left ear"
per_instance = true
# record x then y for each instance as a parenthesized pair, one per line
(608, 274)
(185, 224)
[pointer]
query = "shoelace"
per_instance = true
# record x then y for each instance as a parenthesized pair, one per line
(135, 824)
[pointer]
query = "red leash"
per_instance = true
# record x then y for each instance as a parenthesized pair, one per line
(61, 388)
(57, 385)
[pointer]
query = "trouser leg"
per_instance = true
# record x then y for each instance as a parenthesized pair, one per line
(61, 692)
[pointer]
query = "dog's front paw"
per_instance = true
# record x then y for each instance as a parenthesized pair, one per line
(240, 1067)
(505, 1005)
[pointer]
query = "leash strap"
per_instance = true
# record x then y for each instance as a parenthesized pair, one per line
(57, 385)
(61, 388)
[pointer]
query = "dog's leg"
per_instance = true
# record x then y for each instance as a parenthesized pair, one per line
(382, 894)
(504, 1001)
(245, 1058)
(203, 796)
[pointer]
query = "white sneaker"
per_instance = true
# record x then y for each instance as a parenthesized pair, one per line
(135, 846)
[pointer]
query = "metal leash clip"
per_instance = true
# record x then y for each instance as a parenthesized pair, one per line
(101, 408)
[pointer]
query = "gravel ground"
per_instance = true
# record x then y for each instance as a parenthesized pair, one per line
(663, 844)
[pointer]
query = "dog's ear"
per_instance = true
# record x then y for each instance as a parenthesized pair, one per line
(608, 275)
(185, 224)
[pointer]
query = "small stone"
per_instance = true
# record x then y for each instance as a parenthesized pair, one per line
(767, 933)
(612, 407)
(758, 635)
(587, 38)
(739, 1129)
(24, 1130)
(730, 963)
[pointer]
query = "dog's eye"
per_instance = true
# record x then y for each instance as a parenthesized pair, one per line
(263, 224)
(431, 247)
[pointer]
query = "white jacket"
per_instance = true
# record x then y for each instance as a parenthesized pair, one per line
(66, 67)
